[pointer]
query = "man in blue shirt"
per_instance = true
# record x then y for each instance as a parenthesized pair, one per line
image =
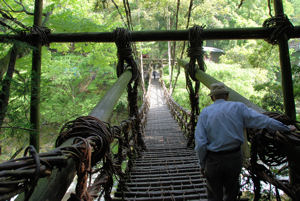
(218, 139)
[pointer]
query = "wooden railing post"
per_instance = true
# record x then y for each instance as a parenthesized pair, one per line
(36, 79)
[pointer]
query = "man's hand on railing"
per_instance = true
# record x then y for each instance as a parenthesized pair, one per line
(292, 128)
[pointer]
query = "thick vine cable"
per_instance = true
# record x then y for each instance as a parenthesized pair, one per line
(127, 18)
(129, 14)
(270, 9)
(117, 7)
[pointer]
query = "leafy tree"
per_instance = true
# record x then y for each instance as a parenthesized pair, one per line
(74, 76)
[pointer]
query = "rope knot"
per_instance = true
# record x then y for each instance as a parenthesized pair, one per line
(122, 39)
(281, 25)
(42, 34)
(88, 127)
(195, 50)
(90, 134)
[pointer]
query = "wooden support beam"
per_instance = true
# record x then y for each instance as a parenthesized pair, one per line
(144, 36)
(55, 187)
(36, 80)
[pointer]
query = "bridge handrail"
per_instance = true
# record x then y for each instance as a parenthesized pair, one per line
(180, 114)
(207, 80)
(58, 167)
(143, 110)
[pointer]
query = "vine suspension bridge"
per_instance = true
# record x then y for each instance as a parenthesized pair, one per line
(155, 143)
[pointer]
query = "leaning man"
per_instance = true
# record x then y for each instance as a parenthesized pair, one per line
(218, 138)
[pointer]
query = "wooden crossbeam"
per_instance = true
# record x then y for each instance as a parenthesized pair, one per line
(144, 36)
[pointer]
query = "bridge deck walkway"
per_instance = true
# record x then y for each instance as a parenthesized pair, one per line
(167, 170)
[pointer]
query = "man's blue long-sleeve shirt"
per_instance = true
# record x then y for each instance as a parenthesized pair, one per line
(220, 126)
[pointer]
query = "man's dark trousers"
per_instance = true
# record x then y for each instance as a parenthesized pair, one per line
(222, 173)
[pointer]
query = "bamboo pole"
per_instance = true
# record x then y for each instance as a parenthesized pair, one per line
(207, 80)
(105, 107)
(54, 187)
(36, 80)
(151, 35)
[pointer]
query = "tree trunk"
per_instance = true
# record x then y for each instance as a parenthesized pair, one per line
(170, 66)
(5, 91)
(4, 64)
(174, 48)
(169, 59)
(20, 51)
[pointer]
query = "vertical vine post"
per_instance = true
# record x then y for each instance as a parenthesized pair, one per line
(195, 52)
(288, 94)
(285, 64)
(123, 42)
(36, 79)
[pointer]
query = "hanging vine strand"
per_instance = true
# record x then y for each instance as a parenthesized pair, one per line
(122, 18)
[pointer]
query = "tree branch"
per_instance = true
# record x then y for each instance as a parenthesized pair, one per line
(5, 91)
(8, 27)
(18, 11)
(14, 127)
(5, 16)
(119, 12)
(241, 3)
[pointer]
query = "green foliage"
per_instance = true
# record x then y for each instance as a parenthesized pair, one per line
(76, 85)
(240, 79)
(272, 100)
(291, 9)
(74, 76)
(255, 54)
